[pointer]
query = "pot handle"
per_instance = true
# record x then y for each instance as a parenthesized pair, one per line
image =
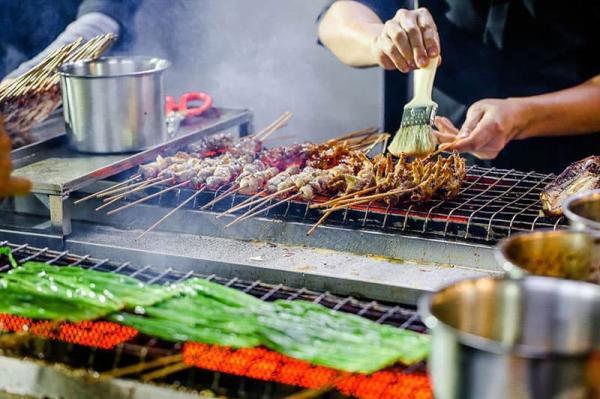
(424, 310)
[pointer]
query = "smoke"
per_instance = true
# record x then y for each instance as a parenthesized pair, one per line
(260, 54)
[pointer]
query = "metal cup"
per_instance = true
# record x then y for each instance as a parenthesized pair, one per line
(567, 254)
(526, 338)
(114, 104)
(583, 210)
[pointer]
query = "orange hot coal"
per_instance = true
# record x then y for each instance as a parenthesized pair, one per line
(99, 334)
(263, 364)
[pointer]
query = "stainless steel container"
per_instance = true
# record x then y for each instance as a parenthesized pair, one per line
(583, 210)
(114, 104)
(526, 338)
(563, 253)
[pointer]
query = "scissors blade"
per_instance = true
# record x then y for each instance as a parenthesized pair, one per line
(173, 123)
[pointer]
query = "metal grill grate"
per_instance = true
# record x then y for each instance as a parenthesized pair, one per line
(396, 315)
(262, 377)
(493, 204)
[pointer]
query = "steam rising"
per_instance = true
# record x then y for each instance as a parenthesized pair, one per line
(260, 54)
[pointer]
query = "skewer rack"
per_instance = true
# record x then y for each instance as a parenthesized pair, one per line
(55, 171)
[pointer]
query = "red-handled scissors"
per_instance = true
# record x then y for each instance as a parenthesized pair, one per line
(178, 112)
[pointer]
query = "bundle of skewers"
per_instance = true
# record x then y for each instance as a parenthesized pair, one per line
(33, 96)
(333, 175)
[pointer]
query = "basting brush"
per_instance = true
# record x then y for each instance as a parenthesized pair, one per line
(415, 136)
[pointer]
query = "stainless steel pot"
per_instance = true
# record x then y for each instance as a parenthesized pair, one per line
(527, 338)
(114, 104)
(583, 210)
(563, 253)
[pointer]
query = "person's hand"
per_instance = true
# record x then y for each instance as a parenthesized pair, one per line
(407, 41)
(9, 185)
(490, 124)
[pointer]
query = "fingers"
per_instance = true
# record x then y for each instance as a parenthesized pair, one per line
(474, 116)
(429, 31)
(445, 125)
(477, 138)
(392, 54)
(408, 41)
(444, 137)
(401, 42)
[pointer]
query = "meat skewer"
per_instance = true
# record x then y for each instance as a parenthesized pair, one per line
(224, 173)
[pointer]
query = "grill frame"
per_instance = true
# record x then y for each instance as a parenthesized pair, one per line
(391, 314)
(144, 348)
(493, 204)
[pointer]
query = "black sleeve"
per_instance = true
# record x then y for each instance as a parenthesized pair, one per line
(122, 11)
(385, 9)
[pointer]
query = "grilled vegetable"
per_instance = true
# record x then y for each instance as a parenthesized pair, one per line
(219, 315)
(38, 290)
(202, 311)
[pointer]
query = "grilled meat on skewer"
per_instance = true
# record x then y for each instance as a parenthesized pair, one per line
(578, 177)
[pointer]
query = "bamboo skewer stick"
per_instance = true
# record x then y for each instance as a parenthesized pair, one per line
(232, 190)
(275, 125)
(139, 188)
(139, 367)
(257, 201)
(258, 212)
(133, 178)
(159, 221)
(350, 195)
(260, 202)
(115, 200)
(147, 198)
(165, 371)
(319, 222)
(115, 190)
(241, 204)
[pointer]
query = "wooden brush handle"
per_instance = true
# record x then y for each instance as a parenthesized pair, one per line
(423, 82)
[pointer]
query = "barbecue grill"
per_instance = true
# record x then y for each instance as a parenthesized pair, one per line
(428, 245)
(145, 360)
(493, 204)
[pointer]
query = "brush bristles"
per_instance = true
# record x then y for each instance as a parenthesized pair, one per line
(416, 140)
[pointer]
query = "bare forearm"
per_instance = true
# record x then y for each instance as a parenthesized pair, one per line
(571, 111)
(348, 29)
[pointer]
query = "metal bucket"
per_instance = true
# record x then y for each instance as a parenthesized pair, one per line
(528, 338)
(567, 254)
(114, 104)
(583, 210)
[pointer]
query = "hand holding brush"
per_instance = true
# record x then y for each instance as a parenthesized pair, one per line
(415, 136)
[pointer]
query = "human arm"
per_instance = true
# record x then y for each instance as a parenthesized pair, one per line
(86, 26)
(94, 17)
(490, 124)
(358, 37)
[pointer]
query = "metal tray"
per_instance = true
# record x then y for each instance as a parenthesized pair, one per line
(54, 169)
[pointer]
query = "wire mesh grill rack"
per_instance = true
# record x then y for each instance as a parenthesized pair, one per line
(396, 315)
(492, 204)
(235, 373)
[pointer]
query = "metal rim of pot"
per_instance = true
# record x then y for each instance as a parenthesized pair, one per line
(424, 306)
(515, 271)
(574, 199)
(162, 64)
